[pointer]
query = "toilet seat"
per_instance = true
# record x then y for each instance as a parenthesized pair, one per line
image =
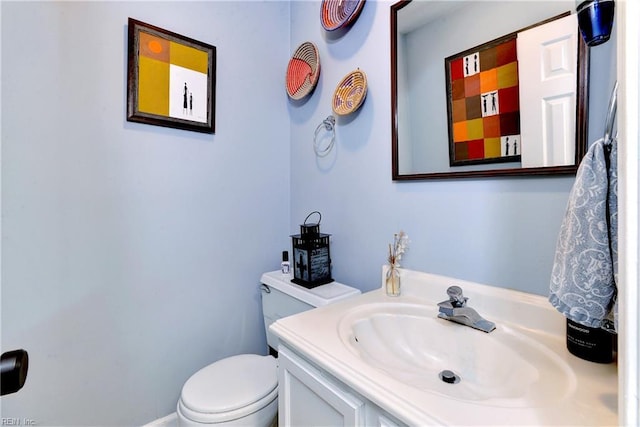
(230, 388)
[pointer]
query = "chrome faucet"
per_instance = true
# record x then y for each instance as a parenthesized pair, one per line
(456, 310)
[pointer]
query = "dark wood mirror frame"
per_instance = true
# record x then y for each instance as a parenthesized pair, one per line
(582, 102)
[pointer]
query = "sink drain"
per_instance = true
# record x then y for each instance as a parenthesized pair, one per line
(449, 377)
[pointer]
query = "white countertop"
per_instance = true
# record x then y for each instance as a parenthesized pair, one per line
(315, 335)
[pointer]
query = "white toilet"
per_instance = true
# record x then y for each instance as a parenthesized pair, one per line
(243, 389)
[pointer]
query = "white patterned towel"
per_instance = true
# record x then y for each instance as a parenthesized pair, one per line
(585, 268)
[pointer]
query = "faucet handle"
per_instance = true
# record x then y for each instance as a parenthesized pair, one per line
(455, 296)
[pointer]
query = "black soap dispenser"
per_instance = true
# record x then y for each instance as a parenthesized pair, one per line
(592, 344)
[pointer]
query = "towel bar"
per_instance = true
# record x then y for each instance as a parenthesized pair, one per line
(611, 115)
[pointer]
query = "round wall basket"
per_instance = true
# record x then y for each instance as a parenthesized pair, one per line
(303, 71)
(336, 14)
(350, 93)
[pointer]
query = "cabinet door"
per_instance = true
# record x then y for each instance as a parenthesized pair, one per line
(377, 417)
(385, 421)
(307, 398)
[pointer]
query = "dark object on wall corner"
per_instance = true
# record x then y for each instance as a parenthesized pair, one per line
(592, 344)
(595, 18)
(13, 371)
(311, 257)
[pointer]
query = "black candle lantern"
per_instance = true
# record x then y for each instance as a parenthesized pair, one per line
(311, 257)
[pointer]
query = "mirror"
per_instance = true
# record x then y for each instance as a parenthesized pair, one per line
(433, 137)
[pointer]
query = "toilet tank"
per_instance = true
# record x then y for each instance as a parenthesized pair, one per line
(281, 298)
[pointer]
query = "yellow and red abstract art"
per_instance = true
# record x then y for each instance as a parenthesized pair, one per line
(484, 107)
(171, 79)
(171, 74)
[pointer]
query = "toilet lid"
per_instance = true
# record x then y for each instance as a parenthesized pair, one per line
(230, 384)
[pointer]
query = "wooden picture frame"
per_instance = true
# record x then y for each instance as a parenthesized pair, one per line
(171, 79)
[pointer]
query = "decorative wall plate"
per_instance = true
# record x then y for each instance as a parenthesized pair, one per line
(336, 14)
(303, 71)
(350, 93)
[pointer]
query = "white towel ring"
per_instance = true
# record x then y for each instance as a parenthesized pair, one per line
(329, 125)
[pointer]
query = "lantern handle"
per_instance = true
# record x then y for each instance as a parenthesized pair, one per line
(314, 212)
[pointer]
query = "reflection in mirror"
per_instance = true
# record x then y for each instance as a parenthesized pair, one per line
(439, 132)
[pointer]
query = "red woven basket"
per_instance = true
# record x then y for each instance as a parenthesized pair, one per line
(303, 71)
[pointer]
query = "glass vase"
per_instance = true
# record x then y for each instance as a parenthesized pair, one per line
(393, 282)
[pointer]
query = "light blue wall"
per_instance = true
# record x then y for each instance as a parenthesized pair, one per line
(132, 253)
(496, 231)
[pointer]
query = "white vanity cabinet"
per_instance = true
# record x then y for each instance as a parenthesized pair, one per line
(361, 362)
(308, 396)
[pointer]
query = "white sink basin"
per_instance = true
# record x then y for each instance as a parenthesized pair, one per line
(502, 368)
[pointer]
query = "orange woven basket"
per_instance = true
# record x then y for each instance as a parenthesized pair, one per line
(350, 93)
(303, 71)
(335, 14)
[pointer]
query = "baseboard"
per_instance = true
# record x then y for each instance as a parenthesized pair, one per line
(170, 420)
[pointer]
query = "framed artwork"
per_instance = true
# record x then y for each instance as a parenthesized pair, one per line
(171, 79)
(483, 103)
